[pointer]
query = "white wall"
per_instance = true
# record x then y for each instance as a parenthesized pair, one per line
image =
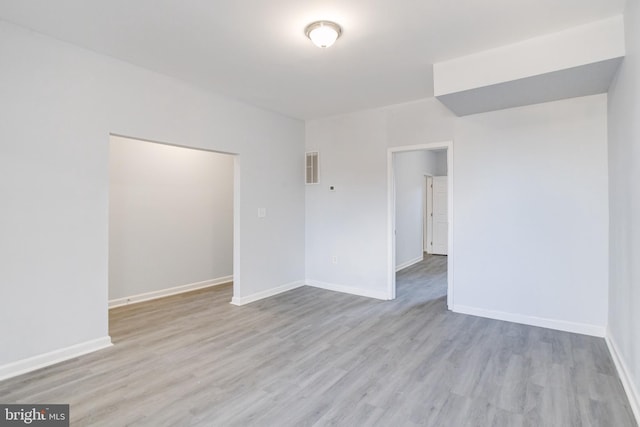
(352, 156)
(411, 168)
(530, 199)
(624, 205)
(440, 163)
(170, 216)
(351, 223)
(58, 106)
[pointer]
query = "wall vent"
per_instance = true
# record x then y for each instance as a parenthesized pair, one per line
(311, 162)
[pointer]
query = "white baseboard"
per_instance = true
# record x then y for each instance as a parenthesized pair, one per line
(410, 263)
(265, 294)
(348, 290)
(42, 360)
(119, 302)
(625, 376)
(560, 325)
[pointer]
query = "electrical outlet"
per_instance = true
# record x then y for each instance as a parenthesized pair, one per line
(262, 212)
(334, 259)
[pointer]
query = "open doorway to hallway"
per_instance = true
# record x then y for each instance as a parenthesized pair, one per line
(425, 280)
(420, 212)
(171, 220)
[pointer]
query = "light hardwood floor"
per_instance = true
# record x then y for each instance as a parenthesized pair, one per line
(311, 357)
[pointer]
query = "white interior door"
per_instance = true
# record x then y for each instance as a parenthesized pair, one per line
(440, 216)
(428, 215)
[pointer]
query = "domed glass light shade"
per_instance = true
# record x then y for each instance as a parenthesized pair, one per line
(323, 33)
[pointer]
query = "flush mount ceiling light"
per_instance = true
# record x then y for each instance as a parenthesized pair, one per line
(323, 33)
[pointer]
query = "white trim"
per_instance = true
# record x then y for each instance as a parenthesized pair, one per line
(625, 376)
(450, 258)
(266, 294)
(42, 360)
(348, 290)
(148, 296)
(560, 325)
(410, 263)
(236, 225)
(391, 227)
(391, 215)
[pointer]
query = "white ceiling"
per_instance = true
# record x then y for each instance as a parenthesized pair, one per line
(256, 51)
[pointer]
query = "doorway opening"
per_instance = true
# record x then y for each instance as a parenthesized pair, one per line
(420, 212)
(173, 220)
